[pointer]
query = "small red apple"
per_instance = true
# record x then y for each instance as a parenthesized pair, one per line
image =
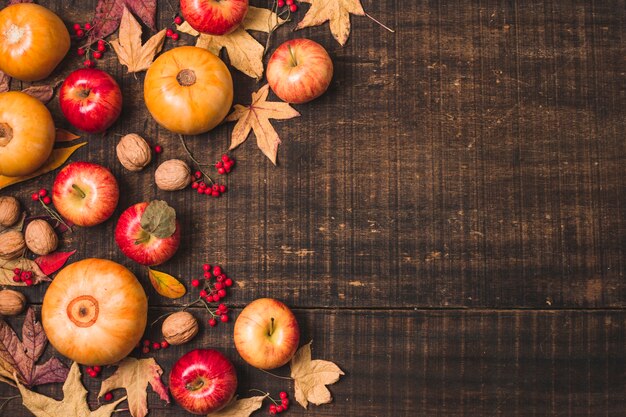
(203, 381)
(148, 233)
(266, 333)
(85, 193)
(299, 71)
(91, 100)
(214, 17)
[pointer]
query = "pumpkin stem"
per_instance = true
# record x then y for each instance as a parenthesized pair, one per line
(186, 77)
(6, 134)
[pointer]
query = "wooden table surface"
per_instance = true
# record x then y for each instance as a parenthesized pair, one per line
(447, 222)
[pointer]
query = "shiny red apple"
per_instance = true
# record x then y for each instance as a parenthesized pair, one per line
(148, 233)
(266, 333)
(299, 71)
(85, 193)
(214, 17)
(203, 381)
(91, 100)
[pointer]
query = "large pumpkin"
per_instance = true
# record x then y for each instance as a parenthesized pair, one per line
(188, 90)
(94, 312)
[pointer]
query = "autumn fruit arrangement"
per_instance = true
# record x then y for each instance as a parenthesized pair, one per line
(95, 311)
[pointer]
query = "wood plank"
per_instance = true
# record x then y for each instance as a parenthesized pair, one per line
(439, 363)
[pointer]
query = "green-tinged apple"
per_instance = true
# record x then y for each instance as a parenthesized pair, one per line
(299, 71)
(266, 333)
(214, 17)
(85, 193)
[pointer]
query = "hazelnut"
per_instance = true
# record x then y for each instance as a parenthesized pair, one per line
(133, 152)
(179, 328)
(12, 302)
(172, 175)
(40, 237)
(11, 244)
(9, 211)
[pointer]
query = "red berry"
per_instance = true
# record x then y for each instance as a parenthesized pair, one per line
(200, 190)
(97, 368)
(158, 149)
(81, 51)
(101, 47)
(215, 193)
(178, 20)
(228, 282)
(222, 188)
(43, 192)
(281, 3)
(202, 185)
(217, 270)
(219, 164)
(80, 33)
(145, 349)
(203, 293)
(206, 267)
(220, 278)
(108, 396)
(198, 174)
(221, 171)
(208, 191)
(146, 342)
(194, 185)
(47, 200)
(229, 164)
(209, 298)
(216, 297)
(169, 32)
(175, 36)
(279, 408)
(17, 271)
(293, 8)
(34, 196)
(207, 275)
(92, 373)
(164, 344)
(97, 55)
(283, 395)
(289, 2)
(156, 346)
(212, 322)
(219, 285)
(27, 274)
(224, 318)
(221, 293)
(222, 307)
(17, 278)
(285, 402)
(101, 42)
(225, 158)
(195, 283)
(76, 26)
(88, 63)
(215, 187)
(87, 26)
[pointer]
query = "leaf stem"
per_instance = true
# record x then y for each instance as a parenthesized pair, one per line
(55, 215)
(6, 400)
(276, 376)
(182, 140)
(380, 23)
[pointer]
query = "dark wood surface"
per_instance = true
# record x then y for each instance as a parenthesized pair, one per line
(447, 221)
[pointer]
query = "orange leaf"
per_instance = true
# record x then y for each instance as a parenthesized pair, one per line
(165, 284)
(56, 159)
(65, 136)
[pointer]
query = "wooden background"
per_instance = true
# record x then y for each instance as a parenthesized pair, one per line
(447, 221)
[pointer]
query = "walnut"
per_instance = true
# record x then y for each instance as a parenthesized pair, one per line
(40, 237)
(11, 302)
(11, 244)
(9, 211)
(179, 328)
(172, 175)
(133, 152)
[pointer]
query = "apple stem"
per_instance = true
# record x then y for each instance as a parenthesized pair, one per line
(294, 61)
(143, 239)
(272, 326)
(195, 385)
(381, 24)
(80, 192)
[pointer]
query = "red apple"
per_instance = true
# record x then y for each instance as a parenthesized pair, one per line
(91, 100)
(84, 193)
(203, 381)
(214, 17)
(148, 233)
(266, 333)
(299, 71)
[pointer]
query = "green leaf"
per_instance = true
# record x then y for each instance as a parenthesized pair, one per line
(159, 219)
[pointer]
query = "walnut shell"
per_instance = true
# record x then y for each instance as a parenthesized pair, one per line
(40, 237)
(9, 211)
(179, 328)
(133, 152)
(12, 302)
(172, 175)
(12, 244)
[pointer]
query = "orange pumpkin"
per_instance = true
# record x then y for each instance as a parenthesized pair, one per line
(26, 134)
(94, 312)
(33, 41)
(188, 90)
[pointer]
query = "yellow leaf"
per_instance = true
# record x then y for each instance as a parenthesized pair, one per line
(311, 377)
(244, 52)
(56, 159)
(240, 408)
(256, 117)
(128, 46)
(65, 136)
(165, 284)
(336, 12)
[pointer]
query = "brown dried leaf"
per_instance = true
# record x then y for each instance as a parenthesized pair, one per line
(134, 376)
(74, 401)
(336, 12)
(7, 267)
(63, 135)
(128, 47)
(109, 13)
(240, 408)
(244, 52)
(256, 117)
(43, 93)
(18, 358)
(5, 82)
(311, 377)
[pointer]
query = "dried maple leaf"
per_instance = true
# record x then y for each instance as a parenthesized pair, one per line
(244, 52)
(256, 117)
(7, 267)
(311, 377)
(5, 81)
(128, 47)
(336, 12)
(240, 408)
(134, 375)
(43, 93)
(18, 358)
(74, 401)
(109, 13)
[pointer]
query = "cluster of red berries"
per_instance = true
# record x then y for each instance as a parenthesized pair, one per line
(94, 371)
(216, 291)
(293, 7)
(97, 54)
(201, 187)
(43, 195)
(279, 406)
(221, 313)
(225, 165)
(80, 31)
(171, 33)
(147, 344)
(23, 276)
